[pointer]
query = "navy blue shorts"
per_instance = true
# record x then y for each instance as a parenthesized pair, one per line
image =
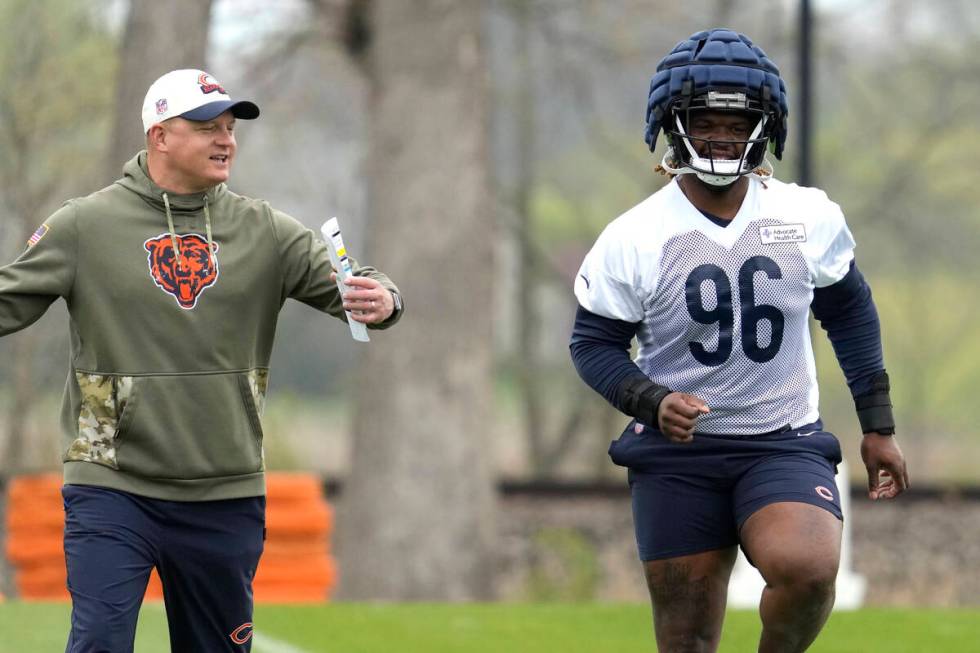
(694, 497)
(205, 552)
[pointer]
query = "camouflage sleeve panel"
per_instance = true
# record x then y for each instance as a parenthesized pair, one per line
(41, 274)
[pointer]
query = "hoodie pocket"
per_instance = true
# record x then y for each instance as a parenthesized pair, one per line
(193, 426)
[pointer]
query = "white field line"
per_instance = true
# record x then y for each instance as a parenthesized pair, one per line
(262, 643)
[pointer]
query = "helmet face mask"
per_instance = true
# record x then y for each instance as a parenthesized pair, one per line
(718, 161)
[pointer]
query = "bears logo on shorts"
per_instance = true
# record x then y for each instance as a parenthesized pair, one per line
(195, 272)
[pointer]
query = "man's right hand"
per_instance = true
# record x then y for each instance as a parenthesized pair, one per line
(678, 415)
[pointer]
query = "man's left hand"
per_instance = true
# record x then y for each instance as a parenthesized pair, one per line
(887, 474)
(367, 300)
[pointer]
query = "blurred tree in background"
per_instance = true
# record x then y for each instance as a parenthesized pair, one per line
(420, 485)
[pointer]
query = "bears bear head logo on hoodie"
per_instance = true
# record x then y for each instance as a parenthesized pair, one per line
(187, 277)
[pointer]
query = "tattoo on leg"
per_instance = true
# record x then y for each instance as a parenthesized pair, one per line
(688, 605)
(675, 590)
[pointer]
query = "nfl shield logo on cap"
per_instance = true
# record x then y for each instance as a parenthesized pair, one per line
(161, 106)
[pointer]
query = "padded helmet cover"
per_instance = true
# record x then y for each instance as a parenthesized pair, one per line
(717, 60)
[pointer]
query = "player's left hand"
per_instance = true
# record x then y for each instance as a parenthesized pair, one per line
(887, 474)
(367, 300)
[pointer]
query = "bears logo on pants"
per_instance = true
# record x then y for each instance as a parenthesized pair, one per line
(242, 634)
(188, 279)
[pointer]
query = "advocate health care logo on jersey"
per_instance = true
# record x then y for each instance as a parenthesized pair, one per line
(187, 278)
(782, 233)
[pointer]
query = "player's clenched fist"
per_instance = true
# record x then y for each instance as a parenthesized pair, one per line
(678, 414)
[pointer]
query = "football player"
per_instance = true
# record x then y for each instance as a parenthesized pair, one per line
(715, 276)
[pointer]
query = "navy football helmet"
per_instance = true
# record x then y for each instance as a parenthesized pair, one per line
(717, 70)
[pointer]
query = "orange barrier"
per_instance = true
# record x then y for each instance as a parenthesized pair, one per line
(295, 567)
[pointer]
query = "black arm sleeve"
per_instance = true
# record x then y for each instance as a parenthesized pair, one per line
(847, 313)
(600, 351)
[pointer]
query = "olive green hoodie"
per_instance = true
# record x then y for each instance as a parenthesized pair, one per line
(169, 356)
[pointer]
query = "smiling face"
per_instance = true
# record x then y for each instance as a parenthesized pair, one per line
(189, 156)
(722, 128)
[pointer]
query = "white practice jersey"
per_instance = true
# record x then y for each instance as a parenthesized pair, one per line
(723, 311)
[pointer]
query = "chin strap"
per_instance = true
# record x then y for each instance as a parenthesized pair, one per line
(671, 167)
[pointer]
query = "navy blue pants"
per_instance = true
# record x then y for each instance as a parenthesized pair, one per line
(205, 552)
(693, 497)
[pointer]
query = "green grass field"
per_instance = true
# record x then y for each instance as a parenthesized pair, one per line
(502, 628)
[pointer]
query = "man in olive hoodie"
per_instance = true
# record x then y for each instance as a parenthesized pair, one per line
(173, 284)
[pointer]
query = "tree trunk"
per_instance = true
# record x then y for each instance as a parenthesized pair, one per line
(528, 320)
(417, 513)
(159, 37)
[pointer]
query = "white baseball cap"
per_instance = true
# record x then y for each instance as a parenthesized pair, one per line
(191, 94)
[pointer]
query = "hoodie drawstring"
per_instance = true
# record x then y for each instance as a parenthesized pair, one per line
(173, 235)
(207, 230)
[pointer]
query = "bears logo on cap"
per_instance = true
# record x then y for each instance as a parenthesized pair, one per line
(209, 84)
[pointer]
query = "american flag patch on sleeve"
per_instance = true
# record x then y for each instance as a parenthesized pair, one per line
(37, 236)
